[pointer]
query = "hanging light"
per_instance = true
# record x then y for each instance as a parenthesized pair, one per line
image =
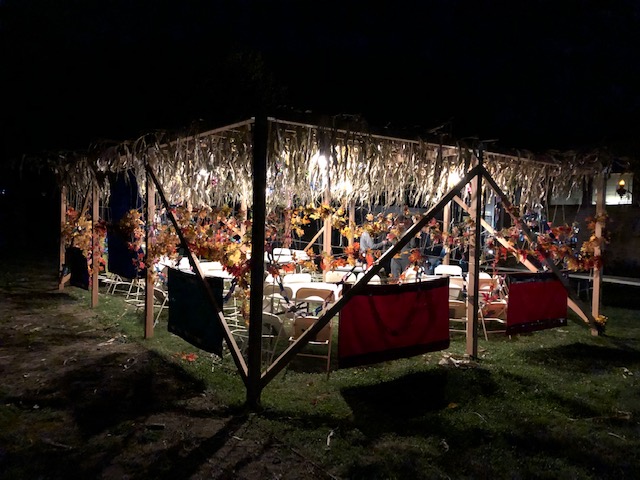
(621, 190)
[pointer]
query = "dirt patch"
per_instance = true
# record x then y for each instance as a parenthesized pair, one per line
(81, 401)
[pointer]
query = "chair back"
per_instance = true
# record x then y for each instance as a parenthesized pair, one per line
(273, 299)
(495, 309)
(302, 324)
(269, 289)
(317, 295)
(457, 309)
(281, 251)
(375, 280)
(297, 278)
(334, 276)
(272, 324)
(455, 270)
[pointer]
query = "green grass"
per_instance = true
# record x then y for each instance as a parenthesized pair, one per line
(553, 404)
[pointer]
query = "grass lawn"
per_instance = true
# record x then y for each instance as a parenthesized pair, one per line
(553, 404)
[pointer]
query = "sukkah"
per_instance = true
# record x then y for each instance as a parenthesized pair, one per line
(312, 171)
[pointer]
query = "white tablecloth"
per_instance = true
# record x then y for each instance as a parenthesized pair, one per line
(329, 287)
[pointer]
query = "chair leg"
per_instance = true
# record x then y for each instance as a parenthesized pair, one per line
(484, 328)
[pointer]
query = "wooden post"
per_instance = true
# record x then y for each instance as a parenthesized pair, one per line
(149, 217)
(596, 297)
(95, 246)
(352, 220)
(446, 221)
(243, 216)
(254, 360)
(63, 220)
(326, 241)
(473, 303)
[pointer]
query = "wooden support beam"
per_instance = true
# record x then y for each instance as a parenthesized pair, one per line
(326, 241)
(411, 232)
(63, 221)
(499, 238)
(573, 302)
(446, 223)
(525, 261)
(596, 296)
(259, 168)
(352, 221)
(195, 265)
(315, 237)
(475, 250)
(149, 217)
(95, 244)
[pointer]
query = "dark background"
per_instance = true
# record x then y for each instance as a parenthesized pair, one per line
(535, 75)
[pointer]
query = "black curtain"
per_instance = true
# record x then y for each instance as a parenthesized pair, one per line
(124, 197)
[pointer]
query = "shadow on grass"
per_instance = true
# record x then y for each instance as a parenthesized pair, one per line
(30, 299)
(380, 407)
(584, 358)
(113, 389)
(110, 400)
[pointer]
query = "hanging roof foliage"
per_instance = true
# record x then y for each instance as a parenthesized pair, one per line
(215, 167)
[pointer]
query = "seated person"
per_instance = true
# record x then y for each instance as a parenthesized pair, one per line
(367, 244)
(400, 261)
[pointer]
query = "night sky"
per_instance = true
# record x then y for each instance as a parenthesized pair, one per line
(535, 74)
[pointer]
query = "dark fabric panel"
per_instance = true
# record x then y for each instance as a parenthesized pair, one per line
(191, 315)
(78, 267)
(537, 301)
(124, 197)
(387, 322)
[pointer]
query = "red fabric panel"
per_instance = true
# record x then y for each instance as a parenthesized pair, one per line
(386, 322)
(536, 302)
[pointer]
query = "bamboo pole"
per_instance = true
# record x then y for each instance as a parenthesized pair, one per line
(149, 216)
(596, 296)
(231, 342)
(475, 248)
(95, 247)
(260, 147)
(411, 232)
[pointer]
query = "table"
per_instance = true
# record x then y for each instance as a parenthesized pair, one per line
(329, 287)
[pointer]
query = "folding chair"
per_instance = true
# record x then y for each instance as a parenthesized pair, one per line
(160, 300)
(297, 278)
(321, 340)
(277, 300)
(272, 332)
(452, 270)
(493, 311)
(116, 283)
(457, 316)
(334, 276)
(312, 299)
(375, 280)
